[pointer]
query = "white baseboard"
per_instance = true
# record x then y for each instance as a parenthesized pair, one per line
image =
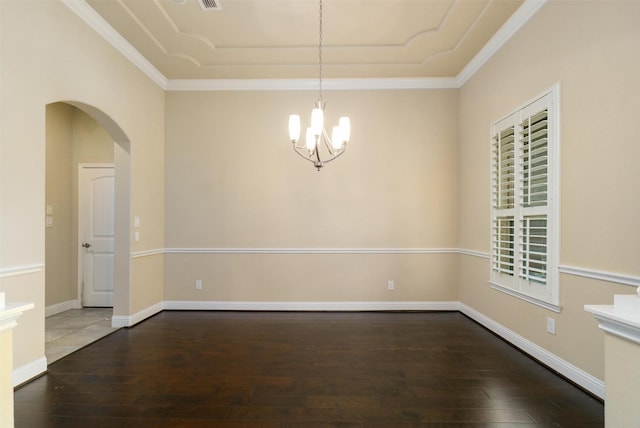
(309, 306)
(131, 320)
(29, 371)
(571, 372)
(61, 307)
(188, 305)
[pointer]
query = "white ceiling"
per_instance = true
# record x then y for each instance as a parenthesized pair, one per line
(278, 39)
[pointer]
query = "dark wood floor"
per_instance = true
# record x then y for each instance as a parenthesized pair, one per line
(235, 369)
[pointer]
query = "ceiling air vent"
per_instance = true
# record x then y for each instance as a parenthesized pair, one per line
(210, 4)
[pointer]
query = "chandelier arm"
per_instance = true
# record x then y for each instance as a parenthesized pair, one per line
(337, 155)
(303, 155)
(328, 144)
(317, 148)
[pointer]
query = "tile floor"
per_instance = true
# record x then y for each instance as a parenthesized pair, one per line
(71, 330)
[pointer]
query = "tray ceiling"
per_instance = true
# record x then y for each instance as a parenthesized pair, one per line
(278, 39)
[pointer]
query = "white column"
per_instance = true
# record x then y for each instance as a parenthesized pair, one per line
(9, 313)
(621, 324)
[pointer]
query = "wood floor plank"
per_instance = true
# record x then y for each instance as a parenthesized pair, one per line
(238, 369)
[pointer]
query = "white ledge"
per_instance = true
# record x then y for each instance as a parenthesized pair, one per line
(10, 312)
(527, 298)
(616, 322)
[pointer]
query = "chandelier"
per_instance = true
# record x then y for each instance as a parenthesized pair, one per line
(316, 138)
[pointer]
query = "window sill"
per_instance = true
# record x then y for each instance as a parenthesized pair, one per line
(546, 305)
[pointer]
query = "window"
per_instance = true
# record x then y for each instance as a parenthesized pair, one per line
(525, 162)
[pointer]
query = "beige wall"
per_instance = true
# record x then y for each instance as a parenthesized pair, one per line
(233, 181)
(591, 48)
(311, 277)
(73, 137)
(59, 178)
(50, 55)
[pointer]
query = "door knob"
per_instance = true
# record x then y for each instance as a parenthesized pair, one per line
(86, 245)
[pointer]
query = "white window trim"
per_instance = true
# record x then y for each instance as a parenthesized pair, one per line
(550, 300)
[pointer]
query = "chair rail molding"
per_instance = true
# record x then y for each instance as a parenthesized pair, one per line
(8, 271)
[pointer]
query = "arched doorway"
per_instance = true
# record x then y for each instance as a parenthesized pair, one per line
(78, 133)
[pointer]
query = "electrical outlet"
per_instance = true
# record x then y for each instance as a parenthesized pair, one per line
(551, 325)
(198, 284)
(391, 285)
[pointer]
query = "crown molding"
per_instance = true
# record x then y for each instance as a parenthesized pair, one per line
(104, 29)
(310, 84)
(520, 17)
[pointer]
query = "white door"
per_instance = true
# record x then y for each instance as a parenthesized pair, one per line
(95, 234)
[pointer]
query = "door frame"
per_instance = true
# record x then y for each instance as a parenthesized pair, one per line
(80, 284)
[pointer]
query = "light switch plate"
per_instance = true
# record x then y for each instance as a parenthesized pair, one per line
(551, 325)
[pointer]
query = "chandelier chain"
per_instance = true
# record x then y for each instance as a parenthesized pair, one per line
(320, 53)
(316, 137)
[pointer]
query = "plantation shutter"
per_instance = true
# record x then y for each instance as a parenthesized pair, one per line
(503, 257)
(534, 160)
(521, 189)
(533, 197)
(504, 197)
(504, 169)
